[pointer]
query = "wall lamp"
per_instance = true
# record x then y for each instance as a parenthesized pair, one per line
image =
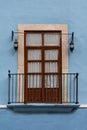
(15, 41)
(15, 44)
(71, 45)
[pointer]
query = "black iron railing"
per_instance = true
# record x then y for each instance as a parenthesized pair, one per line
(69, 85)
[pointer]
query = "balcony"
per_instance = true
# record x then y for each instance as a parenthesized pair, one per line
(57, 95)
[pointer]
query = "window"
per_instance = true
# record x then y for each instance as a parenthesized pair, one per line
(43, 53)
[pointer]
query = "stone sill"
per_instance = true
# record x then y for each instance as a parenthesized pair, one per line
(43, 108)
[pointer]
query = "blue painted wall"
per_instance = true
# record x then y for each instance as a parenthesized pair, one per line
(14, 121)
(71, 12)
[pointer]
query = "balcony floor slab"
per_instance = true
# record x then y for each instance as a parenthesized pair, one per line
(43, 108)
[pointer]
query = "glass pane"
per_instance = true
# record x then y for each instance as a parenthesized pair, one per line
(52, 39)
(51, 81)
(34, 81)
(34, 39)
(34, 55)
(51, 67)
(51, 55)
(34, 67)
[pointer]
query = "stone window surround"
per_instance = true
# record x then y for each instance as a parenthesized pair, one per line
(55, 27)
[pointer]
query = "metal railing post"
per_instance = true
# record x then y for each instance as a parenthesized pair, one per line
(77, 88)
(9, 76)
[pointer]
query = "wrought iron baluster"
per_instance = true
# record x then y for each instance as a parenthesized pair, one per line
(77, 88)
(9, 87)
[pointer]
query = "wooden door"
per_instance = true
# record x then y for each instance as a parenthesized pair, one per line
(42, 67)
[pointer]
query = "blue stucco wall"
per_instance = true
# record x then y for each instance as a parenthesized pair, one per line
(73, 13)
(17, 121)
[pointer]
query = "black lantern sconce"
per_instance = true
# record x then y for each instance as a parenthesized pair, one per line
(15, 44)
(15, 41)
(72, 42)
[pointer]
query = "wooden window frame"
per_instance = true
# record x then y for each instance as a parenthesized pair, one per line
(43, 61)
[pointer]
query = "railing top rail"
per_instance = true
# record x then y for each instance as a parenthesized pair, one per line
(45, 73)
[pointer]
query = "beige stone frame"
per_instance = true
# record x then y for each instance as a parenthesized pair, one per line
(56, 27)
